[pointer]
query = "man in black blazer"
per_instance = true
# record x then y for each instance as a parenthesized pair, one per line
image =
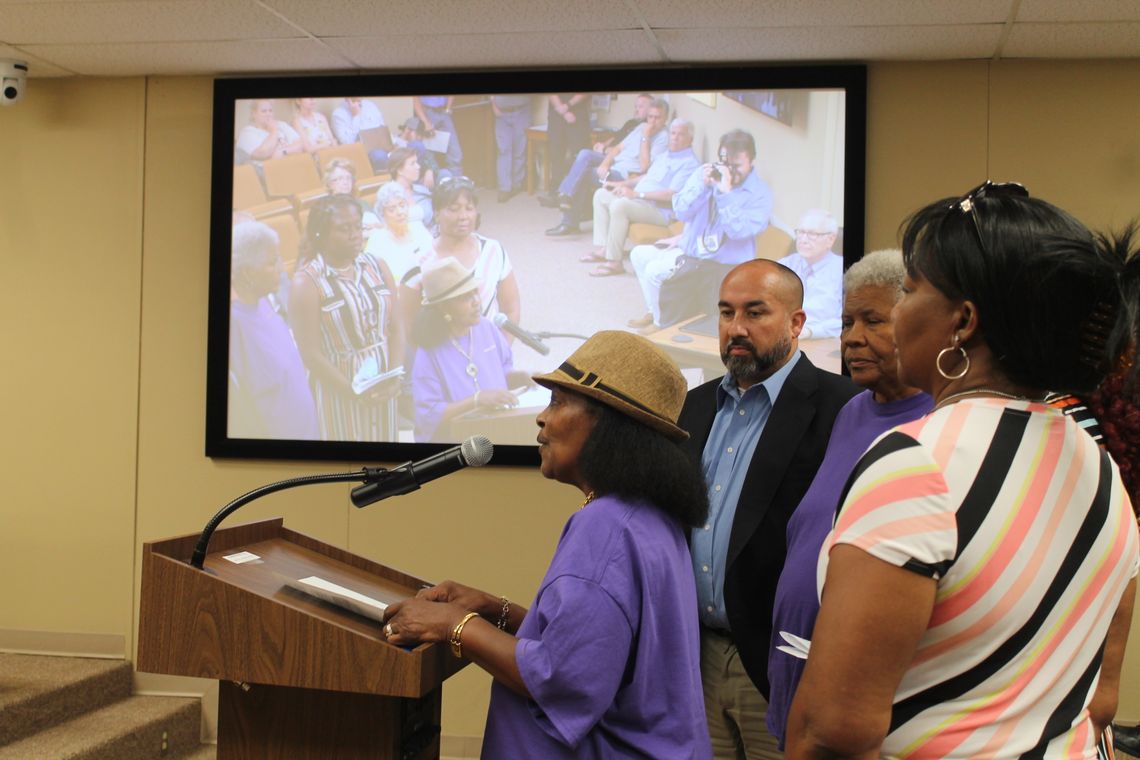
(759, 435)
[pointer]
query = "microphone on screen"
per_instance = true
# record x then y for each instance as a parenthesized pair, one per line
(474, 452)
(526, 337)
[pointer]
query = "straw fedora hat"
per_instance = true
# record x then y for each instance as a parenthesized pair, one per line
(446, 279)
(628, 373)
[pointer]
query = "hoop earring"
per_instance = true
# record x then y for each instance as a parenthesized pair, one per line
(949, 349)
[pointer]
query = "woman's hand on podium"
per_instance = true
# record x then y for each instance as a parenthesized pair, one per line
(466, 597)
(418, 621)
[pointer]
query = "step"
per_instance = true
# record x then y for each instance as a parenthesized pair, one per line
(204, 752)
(135, 728)
(38, 691)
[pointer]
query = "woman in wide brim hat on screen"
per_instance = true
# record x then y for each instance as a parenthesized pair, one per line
(606, 662)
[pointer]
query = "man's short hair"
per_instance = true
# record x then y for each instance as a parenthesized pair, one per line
(688, 126)
(661, 105)
(818, 220)
(738, 141)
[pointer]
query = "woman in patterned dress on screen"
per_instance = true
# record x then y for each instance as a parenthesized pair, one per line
(341, 305)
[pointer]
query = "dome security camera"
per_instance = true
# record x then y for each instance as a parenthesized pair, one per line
(13, 81)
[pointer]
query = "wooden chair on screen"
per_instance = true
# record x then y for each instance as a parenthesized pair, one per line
(774, 243)
(285, 225)
(641, 233)
(366, 181)
(294, 177)
(249, 195)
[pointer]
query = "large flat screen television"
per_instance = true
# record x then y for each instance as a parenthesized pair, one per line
(393, 256)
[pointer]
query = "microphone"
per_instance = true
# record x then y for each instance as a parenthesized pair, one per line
(474, 452)
(528, 338)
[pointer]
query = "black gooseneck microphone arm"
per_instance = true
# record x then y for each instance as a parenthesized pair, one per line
(366, 475)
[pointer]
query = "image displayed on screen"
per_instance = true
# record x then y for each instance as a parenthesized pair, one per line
(402, 266)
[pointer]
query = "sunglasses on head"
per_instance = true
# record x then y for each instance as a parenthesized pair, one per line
(459, 181)
(968, 203)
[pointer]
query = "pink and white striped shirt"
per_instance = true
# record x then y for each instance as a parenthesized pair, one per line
(1024, 523)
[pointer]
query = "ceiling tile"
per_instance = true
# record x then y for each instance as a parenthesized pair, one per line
(1090, 40)
(126, 21)
(499, 50)
(832, 43)
(1078, 10)
(133, 59)
(734, 14)
(37, 67)
(344, 18)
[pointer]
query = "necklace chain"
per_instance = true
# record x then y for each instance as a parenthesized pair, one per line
(589, 498)
(471, 369)
(978, 391)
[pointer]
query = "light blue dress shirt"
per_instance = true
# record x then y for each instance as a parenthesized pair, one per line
(736, 429)
(823, 292)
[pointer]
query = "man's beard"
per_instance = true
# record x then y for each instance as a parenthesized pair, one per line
(755, 366)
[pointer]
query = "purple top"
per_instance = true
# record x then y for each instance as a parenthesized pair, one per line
(269, 389)
(439, 375)
(860, 421)
(610, 649)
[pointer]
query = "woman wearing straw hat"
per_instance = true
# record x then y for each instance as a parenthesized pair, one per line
(463, 363)
(606, 662)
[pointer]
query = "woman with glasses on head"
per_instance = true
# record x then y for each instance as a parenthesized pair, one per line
(606, 662)
(979, 581)
(463, 363)
(341, 307)
(457, 213)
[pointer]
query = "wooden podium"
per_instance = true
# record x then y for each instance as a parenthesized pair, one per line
(299, 678)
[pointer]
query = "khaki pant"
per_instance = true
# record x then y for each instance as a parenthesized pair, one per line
(735, 708)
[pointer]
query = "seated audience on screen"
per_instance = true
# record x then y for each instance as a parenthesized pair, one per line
(871, 288)
(410, 135)
(311, 125)
(340, 179)
(269, 388)
(353, 115)
(342, 306)
(978, 584)
(821, 270)
(724, 207)
(405, 169)
(512, 117)
(463, 362)
(647, 199)
(400, 243)
(265, 137)
(606, 662)
(434, 113)
(627, 158)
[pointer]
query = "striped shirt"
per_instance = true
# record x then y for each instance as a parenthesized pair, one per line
(1024, 523)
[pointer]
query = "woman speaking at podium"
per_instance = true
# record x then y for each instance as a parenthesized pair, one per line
(606, 663)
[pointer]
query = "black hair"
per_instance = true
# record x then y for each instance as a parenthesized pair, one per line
(429, 328)
(623, 457)
(450, 189)
(318, 224)
(1056, 304)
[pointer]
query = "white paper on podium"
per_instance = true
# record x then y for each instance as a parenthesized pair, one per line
(339, 595)
(536, 396)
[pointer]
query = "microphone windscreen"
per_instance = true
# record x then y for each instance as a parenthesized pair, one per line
(477, 450)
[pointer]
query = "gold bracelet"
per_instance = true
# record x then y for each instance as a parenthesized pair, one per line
(504, 615)
(457, 633)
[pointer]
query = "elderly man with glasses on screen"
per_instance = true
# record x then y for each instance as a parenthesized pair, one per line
(821, 270)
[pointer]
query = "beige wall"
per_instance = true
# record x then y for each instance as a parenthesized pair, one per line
(103, 230)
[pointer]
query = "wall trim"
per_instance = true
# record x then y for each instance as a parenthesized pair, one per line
(111, 646)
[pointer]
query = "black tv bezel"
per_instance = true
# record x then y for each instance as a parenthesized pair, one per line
(852, 78)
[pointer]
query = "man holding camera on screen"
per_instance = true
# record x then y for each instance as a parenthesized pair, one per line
(724, 206)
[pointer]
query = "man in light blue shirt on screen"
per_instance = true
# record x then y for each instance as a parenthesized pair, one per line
(821, 271)
(759, 434)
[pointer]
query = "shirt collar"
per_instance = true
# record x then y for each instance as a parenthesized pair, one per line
(773, 384)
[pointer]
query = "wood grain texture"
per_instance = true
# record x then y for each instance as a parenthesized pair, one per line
(240, 623)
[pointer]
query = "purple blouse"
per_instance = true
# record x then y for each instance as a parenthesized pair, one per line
(269, 388)
(610, 649)
(439, 376)
(859, 423)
